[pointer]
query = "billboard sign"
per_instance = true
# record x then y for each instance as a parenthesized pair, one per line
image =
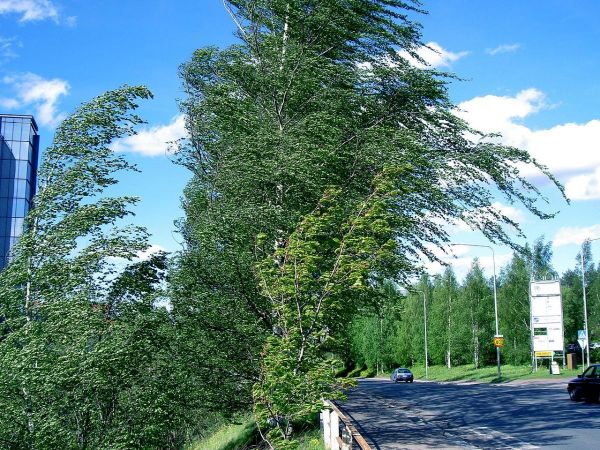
(546, 316)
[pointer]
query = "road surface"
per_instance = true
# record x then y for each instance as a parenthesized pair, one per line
(534, 414)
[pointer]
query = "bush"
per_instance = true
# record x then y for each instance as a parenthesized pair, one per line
(356, 372)
(367, 373)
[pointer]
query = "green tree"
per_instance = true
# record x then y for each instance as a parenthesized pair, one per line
(85, 353)
(572, 288)
(315, 95)
(539, 259)
(477, 311)
(514, 310)
(373, 331)
(443, 318)
(314, 281)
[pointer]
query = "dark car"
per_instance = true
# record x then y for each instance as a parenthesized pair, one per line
(586, 385)
(402, 374)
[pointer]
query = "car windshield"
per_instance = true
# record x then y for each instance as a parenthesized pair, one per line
(590, 373)
(403, 371)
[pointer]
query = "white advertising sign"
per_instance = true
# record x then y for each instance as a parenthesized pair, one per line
(546, 316)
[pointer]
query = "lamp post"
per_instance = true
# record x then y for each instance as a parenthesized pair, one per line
(425, 323)
(585, 317)
(495, 298)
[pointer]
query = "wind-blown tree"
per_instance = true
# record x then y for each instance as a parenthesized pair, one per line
(85, 353)
(314, 282)
(315, 95)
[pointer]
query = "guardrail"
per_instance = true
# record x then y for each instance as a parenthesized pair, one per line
(338, 431)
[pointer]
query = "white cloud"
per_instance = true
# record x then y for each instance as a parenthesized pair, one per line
(462, 258)
(568, 149)
(492, 113)
(146, 254)
(121, 263)
(153, 141)
(575, 235)
(31, 90)
(30, 10)
(9, 103)
(7, 48)
(584, 187)
(504, 48)
(511, 212)
(434, 56)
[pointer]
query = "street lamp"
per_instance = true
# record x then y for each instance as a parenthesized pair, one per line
(495, 299)
(585, 318)
(425, 322)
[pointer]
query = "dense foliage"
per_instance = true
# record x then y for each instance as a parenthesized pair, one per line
(325, 166)
(86, 355)
(315, 98)
(460, 316)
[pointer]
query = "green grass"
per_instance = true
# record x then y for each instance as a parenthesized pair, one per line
(311, 440)
(487, 374)
(228, 437)
(240, 436)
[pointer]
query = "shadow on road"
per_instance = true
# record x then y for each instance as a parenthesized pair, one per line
(479, 415)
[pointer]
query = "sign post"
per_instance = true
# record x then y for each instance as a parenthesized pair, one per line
(546, 319)
(582, 339)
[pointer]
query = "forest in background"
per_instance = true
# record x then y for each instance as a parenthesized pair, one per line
(460, 316)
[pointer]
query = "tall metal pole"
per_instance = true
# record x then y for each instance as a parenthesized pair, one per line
(425, 322)
(425, 334)
(585, 322)
(585, 316)
(496, 313)
(495, 300)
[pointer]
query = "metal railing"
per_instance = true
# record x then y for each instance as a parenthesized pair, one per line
(339, 433)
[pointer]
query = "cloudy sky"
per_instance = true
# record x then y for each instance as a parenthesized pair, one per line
(529, 70)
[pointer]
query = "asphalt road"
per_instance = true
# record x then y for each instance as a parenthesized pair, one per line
(451, 415)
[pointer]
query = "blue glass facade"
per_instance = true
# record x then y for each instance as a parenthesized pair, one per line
(19, 148)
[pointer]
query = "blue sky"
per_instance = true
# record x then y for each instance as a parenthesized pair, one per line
(530, 71)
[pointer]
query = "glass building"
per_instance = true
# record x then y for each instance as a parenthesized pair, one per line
(19, 148)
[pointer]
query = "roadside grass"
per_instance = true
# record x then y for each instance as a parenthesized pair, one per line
(487, 374)
(311, 440)
(228, 437)
(243, 435)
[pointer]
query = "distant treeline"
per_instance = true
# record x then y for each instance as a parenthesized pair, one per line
(460, 316)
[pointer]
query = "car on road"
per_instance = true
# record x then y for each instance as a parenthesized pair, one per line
(587, 385)
(402, 374)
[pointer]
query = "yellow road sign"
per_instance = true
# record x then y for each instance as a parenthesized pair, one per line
(498, 341)
(544, 354)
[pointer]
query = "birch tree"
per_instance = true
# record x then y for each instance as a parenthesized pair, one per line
(314, 96)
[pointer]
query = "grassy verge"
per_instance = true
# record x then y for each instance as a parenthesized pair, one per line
(311, 440)
(227, 437)
(243, 435)
(488, 374)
